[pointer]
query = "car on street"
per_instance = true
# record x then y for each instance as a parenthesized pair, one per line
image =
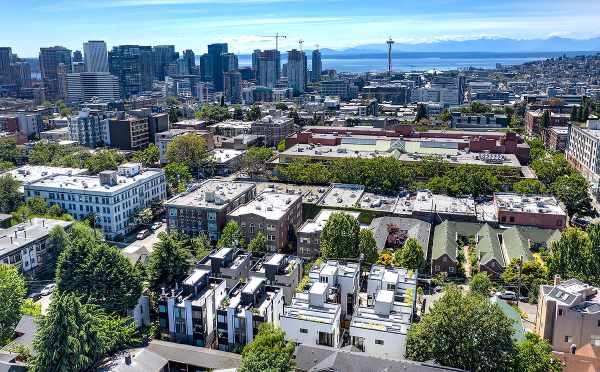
(35, 296)
(48, 289)
(508, 295)
(156, 225)
(143, 234)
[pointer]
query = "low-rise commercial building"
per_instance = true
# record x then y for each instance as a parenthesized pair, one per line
(112, 197)
(276, 215)
(227, 161)
(163, 139)
(204, 209)
(530, 210)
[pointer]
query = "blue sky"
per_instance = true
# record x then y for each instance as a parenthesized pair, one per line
(29, 24)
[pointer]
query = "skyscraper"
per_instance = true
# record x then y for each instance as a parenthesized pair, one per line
(255, 55)
(230, 62)
(206, 68)
(82, 87)
(20, 74)
(96, 56)
(215, 51)
(163, 56)
(232, 86)
(317, 66)
(133, 66)
(266, 68)
(77, 56)
(50, 59)
(190, 60)
(5, 57)
(296, 70)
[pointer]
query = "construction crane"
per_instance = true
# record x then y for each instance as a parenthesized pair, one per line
(277, 36)
(389, 43)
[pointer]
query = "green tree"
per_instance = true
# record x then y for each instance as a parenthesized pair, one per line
(9, 151)
(573, 256)
(104, 160)
(537, 148)
(550, 168)
(545, 120)
(421, 113)
(254, 113)
(148, 156)
(529, 186)
(201, 246)
(100, 274)
(532, 274)
(189, 149)
(258, 245)
(535, 355)
(572, 190)
(255, 160)
(445, 116)
(214, 113)
(177, 175)
(231, 236)
(339, 238)
(410, 256)
(481, 284)
(281, 106)
(10, 196)
(169, 262)
(144, 216)
(367, 246)
(269, 351)
(281, 145)
(74, 336)
(57, 242)
(12, 291)
(574, 114)
(463, 331)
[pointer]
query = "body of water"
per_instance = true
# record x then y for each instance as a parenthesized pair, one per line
(423, 61)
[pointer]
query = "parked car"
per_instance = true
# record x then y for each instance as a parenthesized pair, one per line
(156, 225)
(48, 289)
(508, 295)
(143, 234)
(35, 296)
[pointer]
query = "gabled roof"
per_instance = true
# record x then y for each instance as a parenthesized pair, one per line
(488, 245)
(444, 237)
(518, 240)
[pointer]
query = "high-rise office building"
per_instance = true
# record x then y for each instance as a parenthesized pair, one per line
(205, 68)
(190, 60)
(78, 67)
(133, 66)
(20, 74)
(5, 59)
(50, 59)
(77, 56)
(267, 68)
(82, 87)
(164, 55)
(317, 66)
(96, 56)
(296, 70)
(233, 86)
(255, 55)
(230, 62)
(215, 52)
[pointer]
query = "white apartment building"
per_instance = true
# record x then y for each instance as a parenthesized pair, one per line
(247, 306)
(27, 174)
(113, 197)
(90, 128)
(343, 279)
(84, 86)
(313, 318)
(583, 150)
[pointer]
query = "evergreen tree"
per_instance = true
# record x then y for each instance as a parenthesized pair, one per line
(367, 246)
(169, 262)
(545, 120)
(410, 256)
(12, 291)
(231, 236)
(574, 114)
(10, 197)
(421, 113)
(269, 351)
(57, 242)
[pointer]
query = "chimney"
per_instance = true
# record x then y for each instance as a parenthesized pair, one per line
(556, 279)
(128, 359)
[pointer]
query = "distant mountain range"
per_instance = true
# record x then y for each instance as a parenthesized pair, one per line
(482, 45)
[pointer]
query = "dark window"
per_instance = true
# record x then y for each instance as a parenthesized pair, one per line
(378, 342)
(560, 312)
(303, 330)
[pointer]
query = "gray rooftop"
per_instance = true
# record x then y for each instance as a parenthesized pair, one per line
(383, 227)
(25, 233)
(212, 194)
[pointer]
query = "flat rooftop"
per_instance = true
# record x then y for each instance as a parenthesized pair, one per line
(317, 224)
(428, 202)
(348, 269)
(395, 275)
(545, 204)
(225, 155)
(270, 205)
(301, 309)
(92, 183)
(31, 173)
(342, 195)
(213, 194)
(20, 235)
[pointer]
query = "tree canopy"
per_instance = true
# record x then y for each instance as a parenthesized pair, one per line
(189, 149)
(169, 262)
(339, 238)
(463, 331)
(214, 113)
(367, 246)
(481, 284)
(254, 113)
(535, 355)
(177, 175)
(10, 196)
(269, 351)
(258, 245)
(576, 255)
(410, 256)
(104, 160)
(231, 236)
(254, 161)
(148, 156)
(12, 291)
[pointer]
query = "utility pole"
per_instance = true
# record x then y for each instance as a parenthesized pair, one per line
(519, 285)
(390, 42)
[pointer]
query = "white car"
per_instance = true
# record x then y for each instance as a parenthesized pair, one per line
(48, 289)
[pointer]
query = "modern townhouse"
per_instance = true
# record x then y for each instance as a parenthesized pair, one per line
(230, 264)
(280, 270)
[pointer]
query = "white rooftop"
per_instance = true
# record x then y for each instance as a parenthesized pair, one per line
(31, 173)
(343, 195)
(224, 155)
(22, 234)
(426, 201)
(213, 194)
(320, 220)
(270, 205)
(528, 203)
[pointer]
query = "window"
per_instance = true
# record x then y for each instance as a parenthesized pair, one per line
(595, 341)
(391, 287)
(437, 267)
(569, 339)
(451, 269)
(303, 330)
(325, 339)
(560, 312)
(378, 342)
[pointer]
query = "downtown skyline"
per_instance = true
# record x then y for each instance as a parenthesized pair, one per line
(332, 24)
